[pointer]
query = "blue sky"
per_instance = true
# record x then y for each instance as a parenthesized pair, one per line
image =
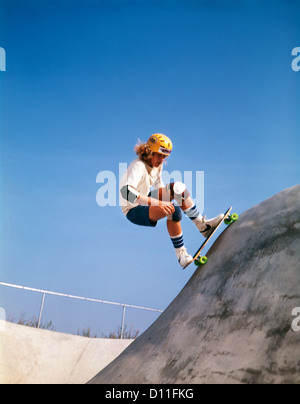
(84, 81)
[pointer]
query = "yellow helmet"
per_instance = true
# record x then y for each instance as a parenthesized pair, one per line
(160, 143)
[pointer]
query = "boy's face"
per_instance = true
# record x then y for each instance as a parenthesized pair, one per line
(157, 159)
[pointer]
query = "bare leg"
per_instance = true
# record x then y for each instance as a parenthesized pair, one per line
(187, 203)
(174, 228)
(155, 213)
(165, 194)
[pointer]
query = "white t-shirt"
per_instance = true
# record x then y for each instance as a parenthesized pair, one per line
(142, 177)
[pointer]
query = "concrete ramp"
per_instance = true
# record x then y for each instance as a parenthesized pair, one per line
(232, 321)
(32, 356)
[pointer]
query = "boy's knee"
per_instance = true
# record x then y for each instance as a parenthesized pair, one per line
(178, 191)
(177, 215)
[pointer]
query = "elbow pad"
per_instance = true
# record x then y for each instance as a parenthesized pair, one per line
(129, 193)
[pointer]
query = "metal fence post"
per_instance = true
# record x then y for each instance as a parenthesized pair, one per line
(41, 310)
(123, 321)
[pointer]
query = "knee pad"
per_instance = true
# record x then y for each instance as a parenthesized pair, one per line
(179, 188)
(177, 215)
(179, 192)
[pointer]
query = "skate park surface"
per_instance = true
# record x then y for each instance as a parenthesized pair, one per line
(34, 356)
(231, 323)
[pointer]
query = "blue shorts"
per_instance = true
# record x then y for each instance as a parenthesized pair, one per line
(140, 216)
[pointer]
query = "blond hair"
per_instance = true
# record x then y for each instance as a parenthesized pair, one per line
(143, 151)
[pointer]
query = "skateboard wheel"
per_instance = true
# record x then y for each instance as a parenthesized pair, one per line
(228, 221)
(203, 260)
(197, 262)
(234, 217)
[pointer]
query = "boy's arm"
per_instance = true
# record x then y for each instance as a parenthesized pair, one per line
(133, 196)
(166, 207)
(147, 201)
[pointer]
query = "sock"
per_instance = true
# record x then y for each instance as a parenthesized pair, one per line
(178, 241)
(193, 213)
(195, 216)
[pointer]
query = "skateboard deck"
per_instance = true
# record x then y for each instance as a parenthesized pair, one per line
(228, 219)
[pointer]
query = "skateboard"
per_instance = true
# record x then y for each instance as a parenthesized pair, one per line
(227, 219)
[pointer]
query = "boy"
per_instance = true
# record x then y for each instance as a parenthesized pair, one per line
(145, 199)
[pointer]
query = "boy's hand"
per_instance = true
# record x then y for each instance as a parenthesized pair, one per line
(159, 209)
(167, 207)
